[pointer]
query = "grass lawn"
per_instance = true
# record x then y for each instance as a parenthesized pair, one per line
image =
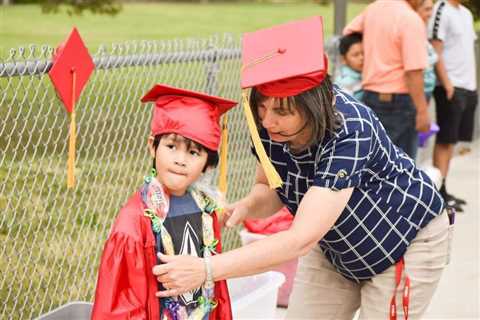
(25, 24)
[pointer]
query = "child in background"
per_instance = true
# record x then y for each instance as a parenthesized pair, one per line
(170, 214)
(350, 75)
(425, 12)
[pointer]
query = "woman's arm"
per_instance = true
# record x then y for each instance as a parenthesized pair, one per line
(317, 213)
(261, 202)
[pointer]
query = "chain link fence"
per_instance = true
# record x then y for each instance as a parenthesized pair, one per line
(52, 236)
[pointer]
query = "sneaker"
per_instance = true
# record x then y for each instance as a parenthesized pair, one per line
(452, 202)
(458, 200)
(455, 206)
(464, 150)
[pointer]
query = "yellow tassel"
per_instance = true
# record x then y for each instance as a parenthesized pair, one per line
(71, 153)
(72, 138)
(222, 177)
(273, 177)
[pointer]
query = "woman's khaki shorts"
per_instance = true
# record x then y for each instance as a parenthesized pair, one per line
(319, 292)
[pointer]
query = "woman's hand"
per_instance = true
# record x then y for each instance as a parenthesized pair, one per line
(179, 274)
(235, 213)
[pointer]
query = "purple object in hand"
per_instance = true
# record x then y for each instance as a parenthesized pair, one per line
(423, 136)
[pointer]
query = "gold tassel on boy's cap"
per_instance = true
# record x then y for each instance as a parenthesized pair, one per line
(223, 169)
(272, 175)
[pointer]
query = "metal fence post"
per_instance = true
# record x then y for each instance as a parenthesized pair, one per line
(212, 69)
(477, 115)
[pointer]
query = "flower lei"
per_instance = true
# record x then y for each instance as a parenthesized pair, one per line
(156, 201)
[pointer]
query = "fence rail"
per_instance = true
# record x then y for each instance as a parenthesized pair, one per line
(15, 69)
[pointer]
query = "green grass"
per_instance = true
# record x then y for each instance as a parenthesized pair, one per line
(25, 24)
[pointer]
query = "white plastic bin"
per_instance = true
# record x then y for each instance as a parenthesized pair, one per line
(289, 269)
(77, 310)
(255, 297)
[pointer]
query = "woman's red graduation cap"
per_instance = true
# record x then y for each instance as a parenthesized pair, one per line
(194, 115)
(281, 61)
(286, 59)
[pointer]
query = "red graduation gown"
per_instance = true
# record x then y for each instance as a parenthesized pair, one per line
(126, 286)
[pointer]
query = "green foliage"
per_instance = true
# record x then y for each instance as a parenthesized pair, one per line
(77, 7)
(474, 6)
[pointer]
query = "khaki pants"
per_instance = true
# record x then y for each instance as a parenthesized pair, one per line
(320, 292)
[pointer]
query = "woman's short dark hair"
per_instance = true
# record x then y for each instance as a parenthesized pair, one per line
(347, 41)
(212, 156)
(315, 105)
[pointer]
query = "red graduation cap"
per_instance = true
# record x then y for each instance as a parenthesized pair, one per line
(286, 59)
(71, 63)
(72, 66)
(191, 114)
(281, 61)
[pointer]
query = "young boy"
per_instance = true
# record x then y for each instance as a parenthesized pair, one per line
(168, 215)
(350, 75)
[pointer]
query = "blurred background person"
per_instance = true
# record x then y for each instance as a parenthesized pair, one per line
(453, 36)
(350, 74)
(393, 68)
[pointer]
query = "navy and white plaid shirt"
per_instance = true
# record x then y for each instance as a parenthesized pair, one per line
(391, 200)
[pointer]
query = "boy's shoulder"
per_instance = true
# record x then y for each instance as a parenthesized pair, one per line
(130, 220)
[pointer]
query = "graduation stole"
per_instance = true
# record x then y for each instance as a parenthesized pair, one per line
(157, 205)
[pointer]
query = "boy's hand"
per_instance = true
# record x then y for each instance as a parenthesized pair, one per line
(234, 214)
(179, 274)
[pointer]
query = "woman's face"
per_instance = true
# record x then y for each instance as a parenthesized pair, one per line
(425, 10)
(283, 124)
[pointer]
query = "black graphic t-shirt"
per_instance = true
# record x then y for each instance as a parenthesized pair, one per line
(184, 223)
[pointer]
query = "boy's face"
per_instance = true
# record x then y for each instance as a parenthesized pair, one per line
(354, 57)
(178, 162)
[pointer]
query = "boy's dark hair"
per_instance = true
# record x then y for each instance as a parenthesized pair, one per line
(347, 41)
(212, 156)
(316, 106)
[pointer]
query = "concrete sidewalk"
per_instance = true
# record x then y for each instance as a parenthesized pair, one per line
(457, 296)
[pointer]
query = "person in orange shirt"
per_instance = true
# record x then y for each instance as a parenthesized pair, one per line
(394, 37)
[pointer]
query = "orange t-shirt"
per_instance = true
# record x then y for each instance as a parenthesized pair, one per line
(394, 41)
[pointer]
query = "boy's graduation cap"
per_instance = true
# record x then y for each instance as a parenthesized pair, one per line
(72, 66)
(281, 61)
(194, 115)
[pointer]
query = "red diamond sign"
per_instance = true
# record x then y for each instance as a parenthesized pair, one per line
(72, 66)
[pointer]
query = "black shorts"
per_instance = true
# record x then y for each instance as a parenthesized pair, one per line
(455, 117)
